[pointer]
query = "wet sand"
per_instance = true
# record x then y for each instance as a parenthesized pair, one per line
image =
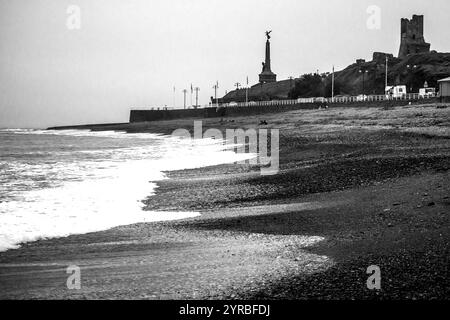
(356, 187)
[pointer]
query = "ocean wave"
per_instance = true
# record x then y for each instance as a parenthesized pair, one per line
(97, 194)
(84, 133)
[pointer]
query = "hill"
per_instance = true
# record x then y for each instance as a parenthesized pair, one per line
(262, 92)
(412, 71)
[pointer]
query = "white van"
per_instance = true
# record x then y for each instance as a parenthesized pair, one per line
(396, 91)
(427, 92)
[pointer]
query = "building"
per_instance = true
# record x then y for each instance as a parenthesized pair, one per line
(412, 39)
(396, 91)
(380, 57)
(444, 89)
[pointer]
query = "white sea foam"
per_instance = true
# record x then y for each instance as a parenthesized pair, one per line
(98, 195)
(83, 133)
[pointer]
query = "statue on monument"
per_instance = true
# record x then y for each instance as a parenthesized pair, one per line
(268, 34)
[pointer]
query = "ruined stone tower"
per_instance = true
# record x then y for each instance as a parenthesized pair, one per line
(412, 40)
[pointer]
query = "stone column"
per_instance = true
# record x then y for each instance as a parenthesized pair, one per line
(267, 68)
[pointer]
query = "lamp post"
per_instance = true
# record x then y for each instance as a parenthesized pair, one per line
(246, 93)
(216, 86)
(174, 90)
(386, 77)
(364, 71)
(291, 82)
(411, 69)
(197, 89)
(332, 86)
(184, 92)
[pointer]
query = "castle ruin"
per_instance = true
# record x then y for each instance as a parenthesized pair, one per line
(412, 40)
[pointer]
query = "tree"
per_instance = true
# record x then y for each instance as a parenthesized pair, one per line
(308, 85)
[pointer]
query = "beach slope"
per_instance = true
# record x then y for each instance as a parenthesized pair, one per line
(356, 187)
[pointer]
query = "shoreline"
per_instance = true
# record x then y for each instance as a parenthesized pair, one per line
(308, 232)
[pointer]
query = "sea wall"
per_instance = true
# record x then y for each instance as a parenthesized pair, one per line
(155, 115)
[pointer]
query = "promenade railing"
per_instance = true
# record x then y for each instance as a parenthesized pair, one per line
(321, 100)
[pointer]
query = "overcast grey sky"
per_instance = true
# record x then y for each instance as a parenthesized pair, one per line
(131, 53)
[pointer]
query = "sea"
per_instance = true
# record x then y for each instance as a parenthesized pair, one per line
(56, 183)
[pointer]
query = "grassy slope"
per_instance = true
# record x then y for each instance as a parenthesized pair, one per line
(431, 67)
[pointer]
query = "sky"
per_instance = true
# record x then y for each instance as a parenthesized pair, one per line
(131, 54)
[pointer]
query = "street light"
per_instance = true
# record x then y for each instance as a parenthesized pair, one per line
(291, 81)
(332, 86)
(246, 93)
(174, 91)
(215, 87)
(364, 71)
(197, 89)
(184, 92)
(410, 69)
(386, 75)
